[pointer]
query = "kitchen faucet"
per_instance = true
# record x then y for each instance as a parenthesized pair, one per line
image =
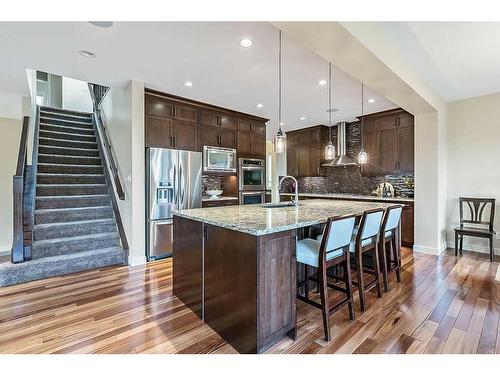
(296, 200)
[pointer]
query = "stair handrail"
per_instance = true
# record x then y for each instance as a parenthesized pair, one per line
(101, 125)
(21, 251)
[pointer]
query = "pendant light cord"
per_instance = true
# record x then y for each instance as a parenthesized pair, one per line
(280, 82)
(330, 99)
(362, 115)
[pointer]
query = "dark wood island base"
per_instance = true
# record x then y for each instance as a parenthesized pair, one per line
(243, 286)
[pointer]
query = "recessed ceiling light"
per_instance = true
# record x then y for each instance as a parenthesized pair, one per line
(246, 43)
(282, 123)
(260, 105)
(332, 110)
(322, 82)
(88, 54)
(102, 23)
(303, 118)
(188, 84)
(371, 100)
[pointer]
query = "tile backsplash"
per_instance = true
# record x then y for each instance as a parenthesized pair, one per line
(348, 179)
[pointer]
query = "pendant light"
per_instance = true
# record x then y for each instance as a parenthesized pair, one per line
(363, 155)
(330, 148)
(280, 138)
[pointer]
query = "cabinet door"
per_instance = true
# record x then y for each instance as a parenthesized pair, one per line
(227, 122)
(244, 143)
(405, 120)
(259, 128)
(208, 136)
(407, 224)
(406, 161)
(185, 113)
(371, 146)
(304, 155)
(317, 152)
(184, 134)
(158, 107)
(244, 125)
(291, 155)
(227, 138)
(209, 118)
(259, 147)
(386, 123)
(388, 153)
(158, 132)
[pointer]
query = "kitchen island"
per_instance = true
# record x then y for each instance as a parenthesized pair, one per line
(235, 266)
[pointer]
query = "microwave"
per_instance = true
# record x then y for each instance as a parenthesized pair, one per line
(219, 159)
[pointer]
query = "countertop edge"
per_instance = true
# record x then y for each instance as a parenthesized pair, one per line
(354, 197)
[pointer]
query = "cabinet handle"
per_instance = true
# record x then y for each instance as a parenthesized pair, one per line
(174, 112)
(174, 140)
(218, 120)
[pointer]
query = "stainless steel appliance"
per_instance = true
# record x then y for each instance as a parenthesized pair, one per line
(252, 197)
(219, 159)
(252, 174)
(173, 182)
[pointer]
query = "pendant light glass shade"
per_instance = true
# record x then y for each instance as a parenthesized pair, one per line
(280, 138)
(330, 148)
(329, 151)
(279, 142)
(363, 155)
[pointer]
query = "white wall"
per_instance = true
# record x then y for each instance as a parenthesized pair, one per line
(473, 159)
(10, 129)
(10, 105)
(123, 111)
(76, 95)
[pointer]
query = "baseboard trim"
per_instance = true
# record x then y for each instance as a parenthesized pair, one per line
(5, 250)
(426, 250)
(475, 248)
(136, 261)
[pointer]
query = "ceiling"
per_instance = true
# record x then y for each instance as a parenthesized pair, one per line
(459, 59)
(166, 54)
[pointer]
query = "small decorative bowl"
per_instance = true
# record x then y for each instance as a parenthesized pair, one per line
(214, 194)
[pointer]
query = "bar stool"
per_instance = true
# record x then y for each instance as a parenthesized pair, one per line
(365, 241)
(332, 250)
(388, 235)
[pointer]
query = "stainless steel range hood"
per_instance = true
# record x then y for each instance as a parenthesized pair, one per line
(342, 158)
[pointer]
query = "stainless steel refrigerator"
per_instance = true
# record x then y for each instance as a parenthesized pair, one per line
(173, 182)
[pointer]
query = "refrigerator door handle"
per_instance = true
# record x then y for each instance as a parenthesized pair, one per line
(182, 186)
(176, 187)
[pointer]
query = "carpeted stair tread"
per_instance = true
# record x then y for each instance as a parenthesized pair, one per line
(69, 159)
(60, 246)
(73, 228)
(70, 178)
(70, 189)
(69, 168)
(67, 143)
(11, 274)
(61, 110)
(66, 201)
(66, 129)
(58, 150)
(86, 123)
(59, 215)
(65, 135)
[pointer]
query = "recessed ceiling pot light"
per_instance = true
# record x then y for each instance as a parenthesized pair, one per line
(188, 84)
(303, 118)
(246, 43)
(87, 54)
(260, 105)
(104, 24)
(322, 82)
(371, 100)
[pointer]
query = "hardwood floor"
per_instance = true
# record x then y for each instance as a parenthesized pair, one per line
(443, 305)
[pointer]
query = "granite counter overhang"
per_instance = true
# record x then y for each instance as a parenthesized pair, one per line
(353, 197)
(258, 221)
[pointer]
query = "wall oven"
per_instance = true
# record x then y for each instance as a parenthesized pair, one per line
(219, 159)
(252, 174)
(252, 197)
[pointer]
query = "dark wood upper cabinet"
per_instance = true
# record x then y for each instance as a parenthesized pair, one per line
(174, 122)
(388, 138)
(251, 138)
(305, 148)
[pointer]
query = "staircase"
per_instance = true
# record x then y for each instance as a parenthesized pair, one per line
(75, 227)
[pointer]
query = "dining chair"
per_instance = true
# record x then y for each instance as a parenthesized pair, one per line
(365, 241)
(332, 250)
(477, 227)
(390, 256)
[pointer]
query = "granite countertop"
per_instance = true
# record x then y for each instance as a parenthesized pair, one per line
(257, 220)
(208, 199)
(371, 198)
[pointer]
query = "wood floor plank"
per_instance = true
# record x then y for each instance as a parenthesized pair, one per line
(443, 304)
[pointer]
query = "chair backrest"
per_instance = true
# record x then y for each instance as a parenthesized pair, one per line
(337, 234)
(476, 208)
(392, 218)
(370, 224)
